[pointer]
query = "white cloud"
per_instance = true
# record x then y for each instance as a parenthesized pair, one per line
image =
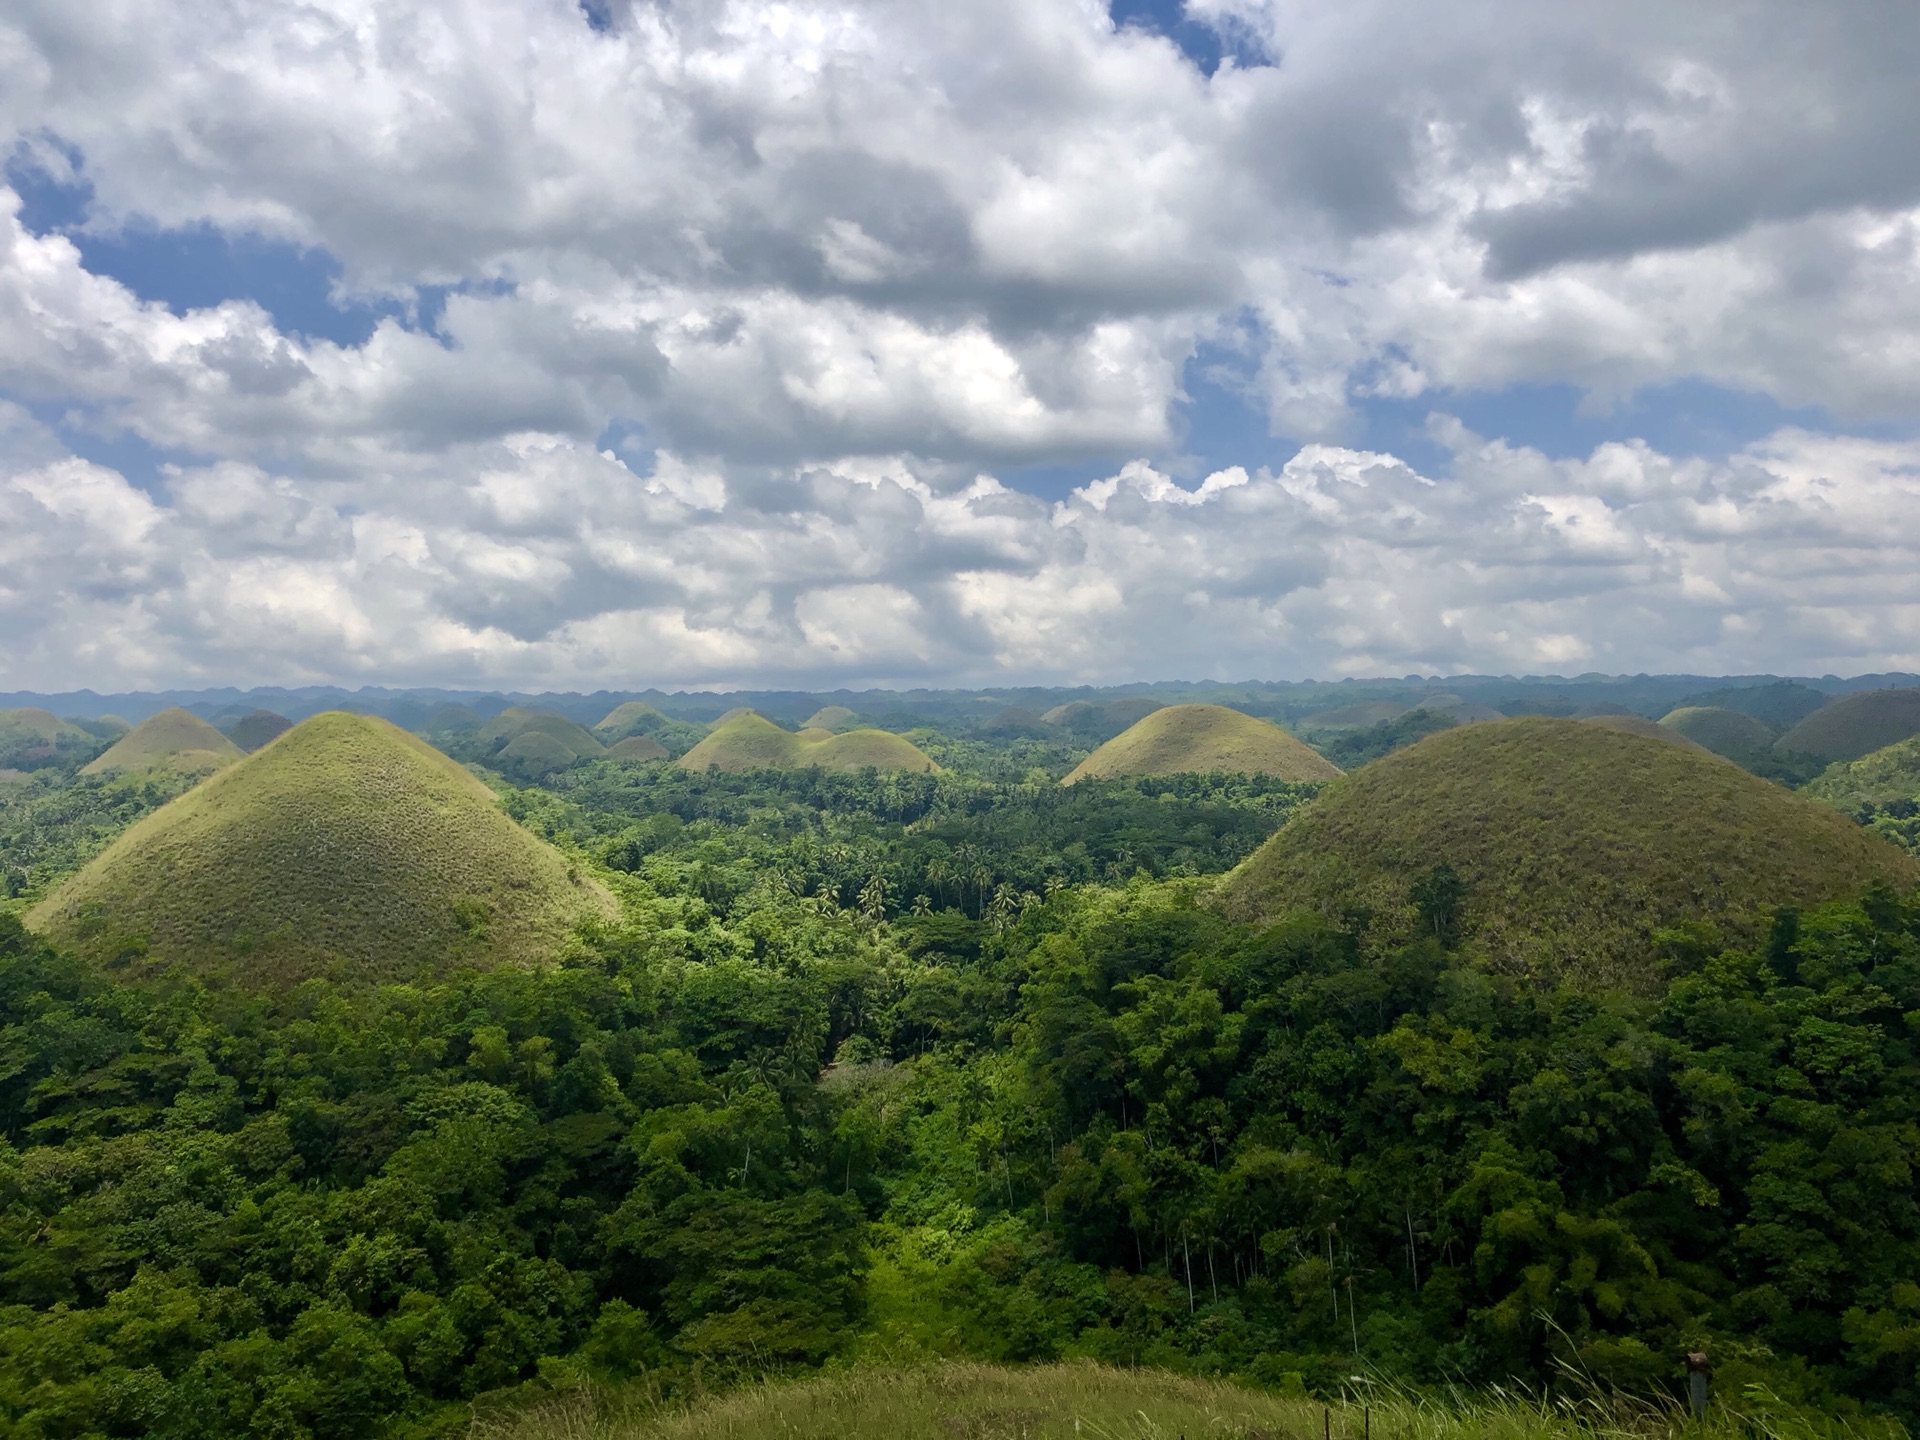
(543, 562)
(837, 260)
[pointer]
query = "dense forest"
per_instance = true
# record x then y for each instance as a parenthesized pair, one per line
(941, 1064)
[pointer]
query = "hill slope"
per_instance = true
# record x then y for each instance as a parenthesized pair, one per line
(256, 728)
(637, 747)
(346, 845)
(750, 741)
(173, 738)
(1887, 776)
(1855, 725)
(829, 717)
(1780, 704)
(1640, 725)
(1199, 739)
(625, 719)
(1723, 731)
(1574, 842)
(33, 737)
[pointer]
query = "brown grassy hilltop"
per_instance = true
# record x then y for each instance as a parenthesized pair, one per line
(1575, 843)
(1200, 739)
(344, 847)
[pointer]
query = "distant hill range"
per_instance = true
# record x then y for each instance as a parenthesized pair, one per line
(1091, 715)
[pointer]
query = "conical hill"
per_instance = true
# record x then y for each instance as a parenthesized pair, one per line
(750, 741)
(256, 728)
(175, 739)
(1855, 725)
(34, 736)
(1199, 739)
(344, 847)
(1642, 726)
(626, 719)
(1574, 844)
(1723, 731)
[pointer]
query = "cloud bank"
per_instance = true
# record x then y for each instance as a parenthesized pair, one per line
(746, 305)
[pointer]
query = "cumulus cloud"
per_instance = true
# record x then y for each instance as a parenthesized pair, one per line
(837, 262)
(540, 559)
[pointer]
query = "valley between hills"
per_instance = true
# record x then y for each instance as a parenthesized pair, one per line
(1254, 1057)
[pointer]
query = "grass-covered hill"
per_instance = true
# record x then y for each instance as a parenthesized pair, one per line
(830, 717)
(174, 739)
(345, 846)
(1202, 739)
(514, 724)
(746, 740)
(972, 1401)
(1095, 722)
(637, 720)
(527, 744)
(256, 728)
(1570, 844)
(32, 737)
(1725, 732)
(1855, 725)
(1640, 725)
(627, 718)
(637, 747)
(451, 719)
(1366, 713)
(1780, 704)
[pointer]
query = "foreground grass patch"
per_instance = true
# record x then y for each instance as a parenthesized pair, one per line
(1095, 1402)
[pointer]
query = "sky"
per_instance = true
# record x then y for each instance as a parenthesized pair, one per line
(709, 343)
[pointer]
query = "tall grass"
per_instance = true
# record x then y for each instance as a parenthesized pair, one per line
(1085, 1401)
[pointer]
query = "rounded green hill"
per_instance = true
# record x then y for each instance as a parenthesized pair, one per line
(34, 736)
(1200, 739)
(1723, 731)
(829, 717)
(1855, 725)
(256, 728)
(637, 747)
(1574, 843)
(750, 741)
(1640, 725)
(174, 739)
(624, 719)
(345, 847)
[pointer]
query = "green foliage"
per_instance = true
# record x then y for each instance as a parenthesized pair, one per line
(1350, 749)
(1881, 791)
(1575, 843)
(50, 826)
(916, 1065)
(34, 739)
(1203, 740)
(943, 842)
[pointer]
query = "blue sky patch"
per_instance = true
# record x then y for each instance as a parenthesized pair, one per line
(1200, 42)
